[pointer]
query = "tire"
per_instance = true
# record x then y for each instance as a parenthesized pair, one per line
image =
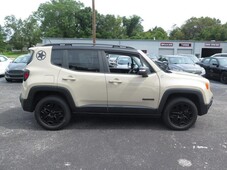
(223, 78)
(180, 114)
(52, 113)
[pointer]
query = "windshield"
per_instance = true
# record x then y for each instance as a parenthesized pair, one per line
(180, 60)
(22, 59)
(223, 61)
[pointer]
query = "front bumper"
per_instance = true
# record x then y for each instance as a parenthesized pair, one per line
(204, 108)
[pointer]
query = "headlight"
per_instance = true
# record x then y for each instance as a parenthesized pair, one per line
(203, 71)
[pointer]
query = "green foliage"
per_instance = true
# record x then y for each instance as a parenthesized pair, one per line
(59, 18)
(203, 28)
(109, 27)
(2, 40)
(14, 31)
(132, 26)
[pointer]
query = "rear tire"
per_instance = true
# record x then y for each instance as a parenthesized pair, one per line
(52, 113)
(224, 77)
(180, 114)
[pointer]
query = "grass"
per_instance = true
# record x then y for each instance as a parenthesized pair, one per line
(13, 54)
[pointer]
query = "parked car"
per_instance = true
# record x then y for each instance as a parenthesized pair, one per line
(63, 79)
(4, 62)
(216, 68)
(154, 57)
(112, 60)
(181, 63)
(192, 57)
(219, 55)
(15, 69)
(124, 62)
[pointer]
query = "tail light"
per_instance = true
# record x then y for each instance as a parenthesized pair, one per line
(26, 74)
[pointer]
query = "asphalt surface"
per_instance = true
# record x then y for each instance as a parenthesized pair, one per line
(104, 142)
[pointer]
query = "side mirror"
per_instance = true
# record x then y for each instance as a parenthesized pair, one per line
(215, 64)
(143, 71)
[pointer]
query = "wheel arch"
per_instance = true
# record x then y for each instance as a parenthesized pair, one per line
(194, 95)
(39, 92)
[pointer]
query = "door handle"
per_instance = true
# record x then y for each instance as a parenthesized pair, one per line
(69, 78)
(115, 81)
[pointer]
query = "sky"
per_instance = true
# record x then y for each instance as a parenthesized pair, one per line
(161, 13)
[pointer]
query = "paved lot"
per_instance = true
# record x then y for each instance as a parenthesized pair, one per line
(98, 142)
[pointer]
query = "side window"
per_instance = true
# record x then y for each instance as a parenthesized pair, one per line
(56, 57)
(213, 62)
(124, 63)
(83, 60)
(206, 61)
(2, 59)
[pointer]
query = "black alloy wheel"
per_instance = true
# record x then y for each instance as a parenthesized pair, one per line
(180, 114)
(52, 113)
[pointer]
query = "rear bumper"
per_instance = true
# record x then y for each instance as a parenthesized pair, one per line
(26, 104)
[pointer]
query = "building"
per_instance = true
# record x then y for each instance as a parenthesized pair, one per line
(157, 47)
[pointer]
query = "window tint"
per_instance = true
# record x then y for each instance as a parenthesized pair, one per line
(81, 60)
(56, 57)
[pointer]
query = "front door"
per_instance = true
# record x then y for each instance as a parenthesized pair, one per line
(129, 92)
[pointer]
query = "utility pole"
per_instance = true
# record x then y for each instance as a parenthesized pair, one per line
(93, 22)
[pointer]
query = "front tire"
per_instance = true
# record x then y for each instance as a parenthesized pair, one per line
(180, 114)
(224, 77)
(52, 113)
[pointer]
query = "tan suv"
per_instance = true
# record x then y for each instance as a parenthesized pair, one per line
(62, 79)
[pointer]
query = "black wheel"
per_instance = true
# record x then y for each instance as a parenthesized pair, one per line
(224, 77)
(180, 114)
(52, 113)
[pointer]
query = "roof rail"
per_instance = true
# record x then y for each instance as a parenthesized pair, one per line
(89, 44)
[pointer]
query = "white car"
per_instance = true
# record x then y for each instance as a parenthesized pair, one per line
(4, 62)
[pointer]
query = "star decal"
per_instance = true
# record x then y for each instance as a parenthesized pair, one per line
(41, 55)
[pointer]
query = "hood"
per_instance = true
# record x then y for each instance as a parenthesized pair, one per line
(185, 66)
(184, 74)
(17, 66)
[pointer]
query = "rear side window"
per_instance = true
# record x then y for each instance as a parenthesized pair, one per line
(56, 57)
(78, 60)
(83, 60)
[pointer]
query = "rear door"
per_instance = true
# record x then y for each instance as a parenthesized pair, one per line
(82, 74)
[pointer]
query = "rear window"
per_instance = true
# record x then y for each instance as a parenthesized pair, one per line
(78, 60)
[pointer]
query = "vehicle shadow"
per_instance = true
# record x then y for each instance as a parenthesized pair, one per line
(115, 122)
(16, 118)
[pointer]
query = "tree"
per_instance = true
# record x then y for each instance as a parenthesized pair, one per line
(176, 34)
(133, 26)
(83, 23)
(199, 29)
(58, 18)
(2, 40)
(31, 31)
(159, 33)
(109, 26)
(14, 32)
